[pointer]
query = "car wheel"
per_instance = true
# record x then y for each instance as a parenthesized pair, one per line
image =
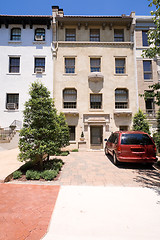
(115, 159)
(106, 151)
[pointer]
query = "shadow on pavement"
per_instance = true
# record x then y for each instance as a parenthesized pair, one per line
(145, 174)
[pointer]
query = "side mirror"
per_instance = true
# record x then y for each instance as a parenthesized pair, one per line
(105, 139)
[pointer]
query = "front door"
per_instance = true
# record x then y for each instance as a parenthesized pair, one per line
(96, 137)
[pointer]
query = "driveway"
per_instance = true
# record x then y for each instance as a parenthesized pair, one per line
(96, 169)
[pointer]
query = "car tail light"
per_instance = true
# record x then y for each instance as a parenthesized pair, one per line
(119, 149)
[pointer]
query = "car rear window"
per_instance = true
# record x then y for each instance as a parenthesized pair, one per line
(136, 139)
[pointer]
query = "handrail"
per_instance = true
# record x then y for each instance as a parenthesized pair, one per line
(8, 132)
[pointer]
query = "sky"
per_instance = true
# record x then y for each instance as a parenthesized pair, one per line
(75, 7)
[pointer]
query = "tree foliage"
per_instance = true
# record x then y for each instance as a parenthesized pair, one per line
(140, 122)
(154, 34)
(41, 133)
(64, 131)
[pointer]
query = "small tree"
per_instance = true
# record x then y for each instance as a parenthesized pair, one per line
(140, 122)
(40, 132)
(156, 135)
(64, 131)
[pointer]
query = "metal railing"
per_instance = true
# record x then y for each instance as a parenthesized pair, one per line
(9, 132)
(150, 113)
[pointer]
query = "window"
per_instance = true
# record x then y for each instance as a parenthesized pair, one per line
(40, 34)
(95, 35)
(69, 98)
(149, 103)
(123, 128)
(69, 65)
(147, 69)
(118, 35)
(14, 64)
(12, 102)
(39, 65)
(15, 34)
(71, 34)
(95, 64)
(121, 98)
(144, 38)
(96, 101)
(72, 133)
(120, 65)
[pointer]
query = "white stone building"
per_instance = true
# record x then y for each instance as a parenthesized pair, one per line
(25, 56)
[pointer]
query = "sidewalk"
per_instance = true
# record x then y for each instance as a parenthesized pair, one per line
(105, 213)
(8, 163)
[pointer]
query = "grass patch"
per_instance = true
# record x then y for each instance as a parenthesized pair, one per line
(74, 150)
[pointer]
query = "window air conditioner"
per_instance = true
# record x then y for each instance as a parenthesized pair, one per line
(39, 70)
(11, 106)
(39, 37)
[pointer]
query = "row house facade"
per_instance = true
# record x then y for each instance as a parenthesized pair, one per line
(25, 51)
(92, 66)
(147, 70)
(94, 77)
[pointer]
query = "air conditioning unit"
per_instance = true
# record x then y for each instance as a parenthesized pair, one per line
(39, 37)
(11, 106)
(39, 70)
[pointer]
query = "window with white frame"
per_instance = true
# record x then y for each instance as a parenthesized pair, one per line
(39, 34)
(69, 98)
(95, 64)
(15, 34)
(121, 98)
(39, 65)
(12, 101)
(96, 101)
(14, 64)
(69, 65)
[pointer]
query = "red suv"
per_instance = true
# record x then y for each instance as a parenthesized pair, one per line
(131, 146)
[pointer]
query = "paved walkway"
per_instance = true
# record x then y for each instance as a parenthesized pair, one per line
(97, 201)
(8, 163)
(25, 210)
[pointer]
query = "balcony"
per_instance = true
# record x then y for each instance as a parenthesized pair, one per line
(121, 108)
(150, 113)
(95, 77)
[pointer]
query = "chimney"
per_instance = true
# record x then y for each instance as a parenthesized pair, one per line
(56, 11)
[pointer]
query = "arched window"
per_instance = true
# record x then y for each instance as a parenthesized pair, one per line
(121, 98)
(69, 98)
(16, 34)
(40, 34)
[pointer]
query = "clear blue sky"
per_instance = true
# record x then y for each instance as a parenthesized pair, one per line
(75, 7)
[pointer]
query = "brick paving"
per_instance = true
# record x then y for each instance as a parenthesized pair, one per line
(25, 210)
(96, 169)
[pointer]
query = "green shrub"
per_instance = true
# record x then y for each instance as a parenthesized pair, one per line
(49, 174)
(64, 153)
(26, 166)
(33, 175)
(74, 150)
(17, 174)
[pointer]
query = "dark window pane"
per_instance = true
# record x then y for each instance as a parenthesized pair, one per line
(12, 101)
(96, 101)
(95, 35)
(145, 38)
(69, 98)
(119, 35)
(40, 63)
(70, 34)
(69, 65)
(14, 65)
(16, 34)
(121, 98)
(72, 133)
(147, 69)
(38, 33)
(120, 66)
(95, 64)
(136, 139)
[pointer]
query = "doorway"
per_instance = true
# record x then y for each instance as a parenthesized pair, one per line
(96, 137)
